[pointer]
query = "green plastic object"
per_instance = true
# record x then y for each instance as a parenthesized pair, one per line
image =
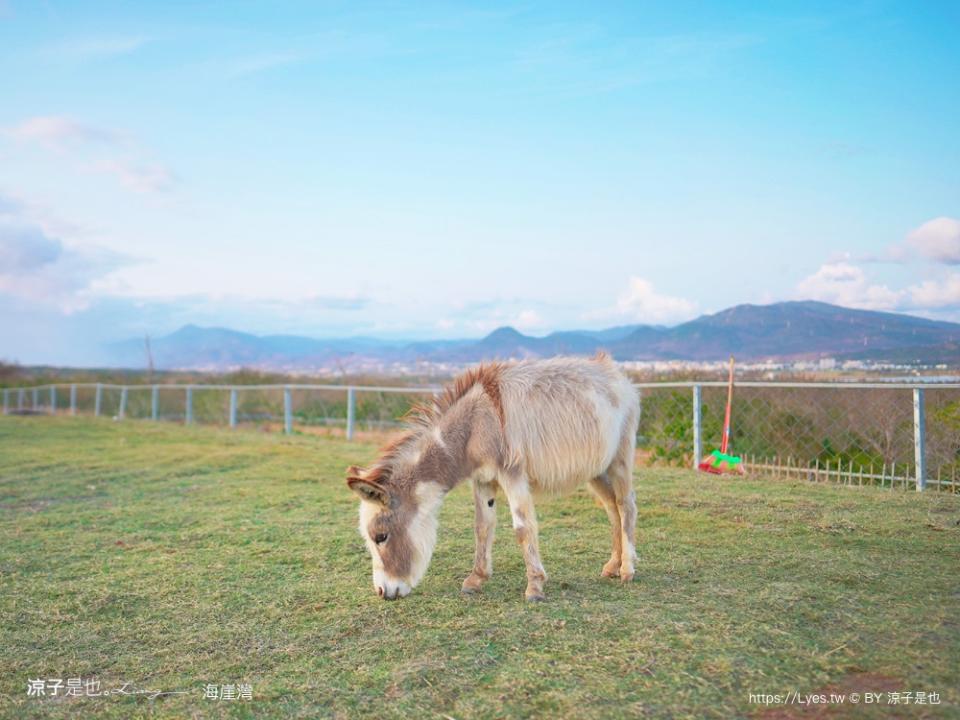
(723, 457)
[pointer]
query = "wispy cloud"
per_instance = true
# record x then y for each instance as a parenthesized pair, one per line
(261, 62)
(84, 49)
(97, 149)
(579, 60)
(58, 131)
(138, 176)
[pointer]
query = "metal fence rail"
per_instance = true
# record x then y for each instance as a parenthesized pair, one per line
(894, 435)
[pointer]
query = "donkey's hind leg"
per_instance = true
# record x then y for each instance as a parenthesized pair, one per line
(602, 489)
(485, 525)
(620, 475)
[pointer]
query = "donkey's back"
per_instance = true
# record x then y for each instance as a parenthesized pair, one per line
(567, 419)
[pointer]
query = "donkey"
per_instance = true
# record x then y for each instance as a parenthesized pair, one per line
(537, 426)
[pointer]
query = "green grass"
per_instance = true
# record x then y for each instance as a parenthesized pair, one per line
(172, 557)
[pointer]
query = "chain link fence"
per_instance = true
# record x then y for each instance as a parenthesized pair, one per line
(280, 407)
(875, 434)
(856, 433)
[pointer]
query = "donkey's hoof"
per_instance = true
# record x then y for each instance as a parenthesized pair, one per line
(626, 577)
(471, 585)
(611, 570)
(534, 597)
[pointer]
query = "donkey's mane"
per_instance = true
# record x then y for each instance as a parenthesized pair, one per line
(423, 416)
(488, 376)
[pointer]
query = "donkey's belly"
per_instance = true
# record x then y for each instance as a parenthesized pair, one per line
(562, 476)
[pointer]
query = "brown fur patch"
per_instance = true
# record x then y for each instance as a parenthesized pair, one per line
(486, 375)
(388, 453)
(397, 552)
(445, 464)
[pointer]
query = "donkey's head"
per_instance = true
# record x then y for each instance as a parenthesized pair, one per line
(398, 521)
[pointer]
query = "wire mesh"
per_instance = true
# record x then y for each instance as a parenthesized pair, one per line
(378, 410)
(849, 433)
(319, 407)
(256, 406)
(862, 434)
(943, 436)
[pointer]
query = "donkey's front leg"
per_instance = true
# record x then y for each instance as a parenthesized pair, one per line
(485, 524)
(517, 490)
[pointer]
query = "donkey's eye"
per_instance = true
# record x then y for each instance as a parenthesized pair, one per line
(380, 538)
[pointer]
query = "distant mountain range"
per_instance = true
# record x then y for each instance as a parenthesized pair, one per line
(780, 331)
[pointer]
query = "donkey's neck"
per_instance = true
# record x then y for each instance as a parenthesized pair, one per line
(459, 442)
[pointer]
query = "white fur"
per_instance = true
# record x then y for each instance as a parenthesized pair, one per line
(423, 536)
(423, 529)
(516, 517)
(561, 426)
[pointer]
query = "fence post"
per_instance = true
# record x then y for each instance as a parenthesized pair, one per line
(53, 399)
(351, 411)
(98, 400)
(122, 413)
(188, 406)
(233, 407)
(697, 436)
(919, 438)
(287, 411)
(155, 402)
(20, 398)
(36, 398)
(73, 399)
(6, 400)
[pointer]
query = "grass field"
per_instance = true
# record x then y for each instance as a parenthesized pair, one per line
(171, 557)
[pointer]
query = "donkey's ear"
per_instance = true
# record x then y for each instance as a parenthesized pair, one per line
(368, 490)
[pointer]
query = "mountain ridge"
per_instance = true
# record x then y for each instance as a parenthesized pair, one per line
(793, 330)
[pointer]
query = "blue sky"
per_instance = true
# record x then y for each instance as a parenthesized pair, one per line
(440, 169)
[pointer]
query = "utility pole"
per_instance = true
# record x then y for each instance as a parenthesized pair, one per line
(146, 342)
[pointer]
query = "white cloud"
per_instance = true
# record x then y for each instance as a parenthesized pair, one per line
(642, 303)
(937, 240)
(937, 294)
(843, 283)
(527, 320)
(482, 317)
(38, 267)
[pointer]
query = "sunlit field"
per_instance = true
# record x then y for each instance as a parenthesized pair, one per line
(156, 557)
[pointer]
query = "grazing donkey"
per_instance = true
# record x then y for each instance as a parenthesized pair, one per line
(535, 426)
